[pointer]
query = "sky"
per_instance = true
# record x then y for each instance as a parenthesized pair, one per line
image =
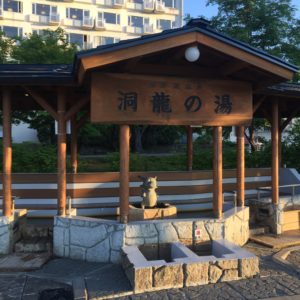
(198, 7)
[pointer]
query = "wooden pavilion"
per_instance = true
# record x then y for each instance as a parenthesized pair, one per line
(120, 84)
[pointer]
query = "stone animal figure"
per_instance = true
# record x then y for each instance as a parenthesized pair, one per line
(148, 191)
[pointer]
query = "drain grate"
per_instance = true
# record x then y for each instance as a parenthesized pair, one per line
(56, 294)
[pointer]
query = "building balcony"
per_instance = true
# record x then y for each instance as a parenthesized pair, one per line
(171, 10)
(148, 29)
(135, 30)
(11, 15)
(100, 24)
(147, 6)
(86, 23)
(160, 7)
(111, 3)
(86, 46)
(53, 19)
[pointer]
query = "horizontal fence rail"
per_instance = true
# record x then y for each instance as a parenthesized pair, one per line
(98, 193)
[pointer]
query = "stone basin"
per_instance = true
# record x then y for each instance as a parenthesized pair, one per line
(173, 265)
(162, 211)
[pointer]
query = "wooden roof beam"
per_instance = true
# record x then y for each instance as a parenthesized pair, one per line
(154, 69)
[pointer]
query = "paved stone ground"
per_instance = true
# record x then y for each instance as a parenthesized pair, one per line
(294, 258)
(106, 280)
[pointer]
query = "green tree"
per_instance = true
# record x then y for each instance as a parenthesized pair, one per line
(270, 25)
(6, 45)
(51, 47)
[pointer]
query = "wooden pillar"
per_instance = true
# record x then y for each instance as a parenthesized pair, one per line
(61, 153)
(240, 176)
(7, 153)
(217, 173)
(279, 146)
(124, 172)
(275, 153)
(74, 161)
(189, 136)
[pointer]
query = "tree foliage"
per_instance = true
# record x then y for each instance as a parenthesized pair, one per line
(51, 47)
(6, 45)
(270, 25)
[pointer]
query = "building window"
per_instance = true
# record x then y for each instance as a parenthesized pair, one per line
(78, 39)
(12, 5)
(74, 13)
(164, 24)
(107, 40)
(11, 31)
(111, 18)
(40, 9)
(138, 1)
(135, 21)
(170, 3)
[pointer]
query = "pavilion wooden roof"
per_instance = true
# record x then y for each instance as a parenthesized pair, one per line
(222, 57)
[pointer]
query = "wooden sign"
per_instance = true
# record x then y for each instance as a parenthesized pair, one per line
(132, 99)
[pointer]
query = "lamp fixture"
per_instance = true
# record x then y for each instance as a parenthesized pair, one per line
(192, 54)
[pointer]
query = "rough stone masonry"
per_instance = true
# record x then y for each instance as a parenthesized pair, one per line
(98, 240)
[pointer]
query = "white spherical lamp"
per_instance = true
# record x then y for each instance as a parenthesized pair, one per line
(192, 54)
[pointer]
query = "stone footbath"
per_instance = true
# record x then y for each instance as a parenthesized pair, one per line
(173, 265)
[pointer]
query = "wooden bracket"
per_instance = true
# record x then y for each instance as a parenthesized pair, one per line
(258, 104)
(82, 120)
(289, 119)
(42, 102)
(76, 107)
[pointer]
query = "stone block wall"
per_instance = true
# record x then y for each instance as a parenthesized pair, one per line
(234, 227)
(267, 214)
(150, 275)
(10, 230)
(88, 239)
(92, 239)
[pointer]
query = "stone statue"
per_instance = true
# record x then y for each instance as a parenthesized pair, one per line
(148, 191)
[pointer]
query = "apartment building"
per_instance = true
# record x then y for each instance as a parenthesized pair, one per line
(90, 23)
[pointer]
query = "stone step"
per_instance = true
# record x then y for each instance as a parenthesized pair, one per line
(257, 230)
(33, 231)
(33, 245)
(23, 262)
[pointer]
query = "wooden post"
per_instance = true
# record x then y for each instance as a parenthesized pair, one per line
(275, 153)
(74, 162)
(61, 153)
(7, 153)
(279, 147)
(189, 136)
(240, 176)
(217, 173)
(124, 172)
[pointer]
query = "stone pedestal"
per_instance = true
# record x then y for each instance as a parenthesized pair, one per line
(10, 230)
(141, 214)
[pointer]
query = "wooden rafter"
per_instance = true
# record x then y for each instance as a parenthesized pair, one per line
(42, 102)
